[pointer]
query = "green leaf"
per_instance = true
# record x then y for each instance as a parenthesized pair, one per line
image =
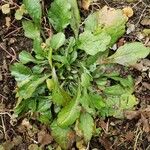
(60, 96)
(38, 49)
(61, 135)
(116, 105)
(92, 44)
(97, 101)
(59, 14)
(75, 17)
(86, 103)
(126, 83)
(28, 86)
(44, 104)
(129, 54)
(86, 125)
(68, 115)
(34, 9)
(45, 117)
(114, 90)
(30, 30)
(57, 40)
(25, 57)
(19, 12)
(85, 80)
(20, 72)
(61, 59)
(108, 20)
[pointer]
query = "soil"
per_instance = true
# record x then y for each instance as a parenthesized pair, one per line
(131, 133)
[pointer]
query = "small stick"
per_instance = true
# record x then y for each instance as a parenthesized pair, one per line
(12, 32)
(141, 16)
(4, 129)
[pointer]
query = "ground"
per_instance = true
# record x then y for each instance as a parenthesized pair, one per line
(131, 133)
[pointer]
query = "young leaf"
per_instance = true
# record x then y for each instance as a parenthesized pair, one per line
(92, 44)
(96, 101)
(62, 135)
(25, 57)
(107, 20)
(114, 90)
(19, 12)
(34, 9)
(61, 59)
(57, 40)
(59, 14)
(20, 72)
(75, 17)
(68, 115)
(129, 54)
(59, 96)
(85, 79)
(86, 125)
(28, 87)
(85, 102)
(38, 49)
(30, 30)
(45, 117)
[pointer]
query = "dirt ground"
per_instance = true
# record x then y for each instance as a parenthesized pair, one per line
(131, 133)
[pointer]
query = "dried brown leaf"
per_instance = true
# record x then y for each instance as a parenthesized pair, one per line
(86, 4)
(145, 22)
(128, 11)
(44, 138)
(131, 114)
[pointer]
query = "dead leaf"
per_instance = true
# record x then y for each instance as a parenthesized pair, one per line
(130, 28)
(106, 143)
(8, 21)
(86, 4)
(33, 147)
(145, 22)
(8, 145)
(17, 140)
(44, 138)
(146, 126)
(131, 114)
(128, 11)
(5, 8)
(80, 145)
(146, 85)
(26, 123)
(129, 136)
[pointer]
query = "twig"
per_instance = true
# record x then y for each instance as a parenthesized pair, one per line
(4, 129)
(13, 56)
(3, 96)
(141, 16)
(88, 146)
(137, 3)
(136, 140)
(12, 32)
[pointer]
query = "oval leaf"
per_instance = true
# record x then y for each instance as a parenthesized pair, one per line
(68, 115)
(25, 57)
(92, 44)
(59, 14)
(57, 40)
(63, 136)
(86, 125)
(30, 30)
(34, 9)
(129, 54)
